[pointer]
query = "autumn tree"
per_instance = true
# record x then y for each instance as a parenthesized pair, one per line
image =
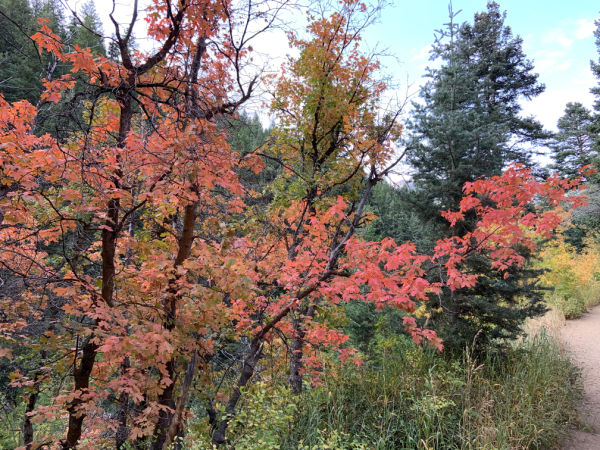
(109, 218)
(333, 148)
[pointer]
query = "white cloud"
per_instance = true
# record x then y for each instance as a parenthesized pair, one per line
(561, 59)
(550, 105)
(551, 61)
(570, 32)
(585, 28)
(558, 37)
(422, 55)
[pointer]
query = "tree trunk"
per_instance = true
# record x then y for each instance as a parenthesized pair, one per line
(123, 413)
(248, 367)
(296, 355)
(166, 397)
(27, 424)
(82, 381)
(83, 372)
(175, 427)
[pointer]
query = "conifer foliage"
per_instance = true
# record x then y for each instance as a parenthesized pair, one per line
(574, 142)
(466, 125)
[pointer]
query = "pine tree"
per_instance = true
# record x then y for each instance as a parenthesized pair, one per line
(594, 127)
(576, 144)
(595, 66)
(86, 29)
(19, 64)
(393, 218)
(21, 67)
(468, 125)
(469, 109)
(573, 144)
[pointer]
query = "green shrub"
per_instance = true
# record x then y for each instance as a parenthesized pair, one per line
(265, 415)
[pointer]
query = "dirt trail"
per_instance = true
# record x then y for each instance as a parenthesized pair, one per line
(582, 338)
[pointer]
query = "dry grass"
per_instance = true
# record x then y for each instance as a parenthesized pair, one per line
(550, 323)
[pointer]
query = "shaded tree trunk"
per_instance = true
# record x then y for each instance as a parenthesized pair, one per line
(27, 424)
(296, 355)
(248, 367)
(123, 430)
(166, 398)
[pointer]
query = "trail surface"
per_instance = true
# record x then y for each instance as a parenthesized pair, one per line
(582, 338)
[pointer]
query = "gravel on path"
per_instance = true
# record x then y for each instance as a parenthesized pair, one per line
(581, 338)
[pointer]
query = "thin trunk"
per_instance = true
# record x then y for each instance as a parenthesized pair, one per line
(296, 355)
(296, 349)
(83, 372)
(27, 424)
(123, 413)
(31, 402)
(175, 427)
(124, 403)
(166, 398)
(248, 367)
(82, 381)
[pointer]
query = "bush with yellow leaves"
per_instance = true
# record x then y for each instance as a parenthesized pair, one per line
(573, 277)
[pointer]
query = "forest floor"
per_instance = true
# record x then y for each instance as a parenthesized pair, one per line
(581, 337)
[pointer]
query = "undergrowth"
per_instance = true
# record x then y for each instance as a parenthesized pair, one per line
(410, 397)
(573, 277)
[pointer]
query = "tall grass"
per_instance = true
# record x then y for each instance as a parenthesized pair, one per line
(409, 397)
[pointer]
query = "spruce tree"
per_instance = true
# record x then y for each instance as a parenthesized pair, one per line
(85, 30)
(594, 127)
(19, 63)
(467, 125)
(392, 218)
(595, 66)
(573, 145)
(576, 144)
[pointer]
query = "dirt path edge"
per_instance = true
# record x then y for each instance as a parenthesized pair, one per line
(581, 338)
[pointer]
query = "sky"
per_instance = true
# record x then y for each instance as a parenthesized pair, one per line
(557, 36)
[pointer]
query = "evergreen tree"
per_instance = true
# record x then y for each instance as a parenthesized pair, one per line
(86, 30)
(393, 219)
(19, 63)
(21, 67)
(573, 144)
(468, 125)
(594, 127)
(595, 66)
(577, 143)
